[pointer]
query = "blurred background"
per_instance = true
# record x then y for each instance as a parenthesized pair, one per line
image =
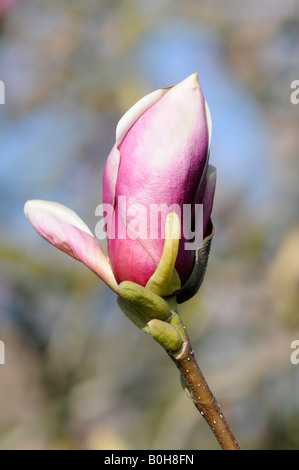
(78, 374)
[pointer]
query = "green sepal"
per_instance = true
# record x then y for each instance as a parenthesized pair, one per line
(164, 284)
(134, 315)
(165, 280)
(165, 334)
(143, 300)
(176, 322)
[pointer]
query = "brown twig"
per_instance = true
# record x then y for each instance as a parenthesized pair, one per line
(202, 396)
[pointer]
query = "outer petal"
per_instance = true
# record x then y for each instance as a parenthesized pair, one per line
(110, 176)
(134, 113)
(205, 196)
(208, 197)
(123, 126)
(201, 187)
(64, 229)
(129, 260)
(136, 260)
(164, 154)
(162, 158)
(209, 121)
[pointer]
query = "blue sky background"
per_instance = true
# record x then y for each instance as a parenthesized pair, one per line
(78, 373)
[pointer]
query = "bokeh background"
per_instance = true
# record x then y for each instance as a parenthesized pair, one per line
(78, 374)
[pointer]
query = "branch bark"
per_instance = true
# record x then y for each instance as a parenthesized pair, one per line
(202, 396)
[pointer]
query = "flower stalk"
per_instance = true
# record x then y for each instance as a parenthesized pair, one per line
(171, 334)
(198, 389)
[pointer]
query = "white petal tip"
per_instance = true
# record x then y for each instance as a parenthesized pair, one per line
(209, 121)
(54, 209)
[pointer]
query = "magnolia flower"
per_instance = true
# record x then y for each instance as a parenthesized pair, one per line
(160, 157)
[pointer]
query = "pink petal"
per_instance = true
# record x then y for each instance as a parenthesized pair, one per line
(163, 155)
(160, 157)
(128, 258)
(64, 229)
(123, 126)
